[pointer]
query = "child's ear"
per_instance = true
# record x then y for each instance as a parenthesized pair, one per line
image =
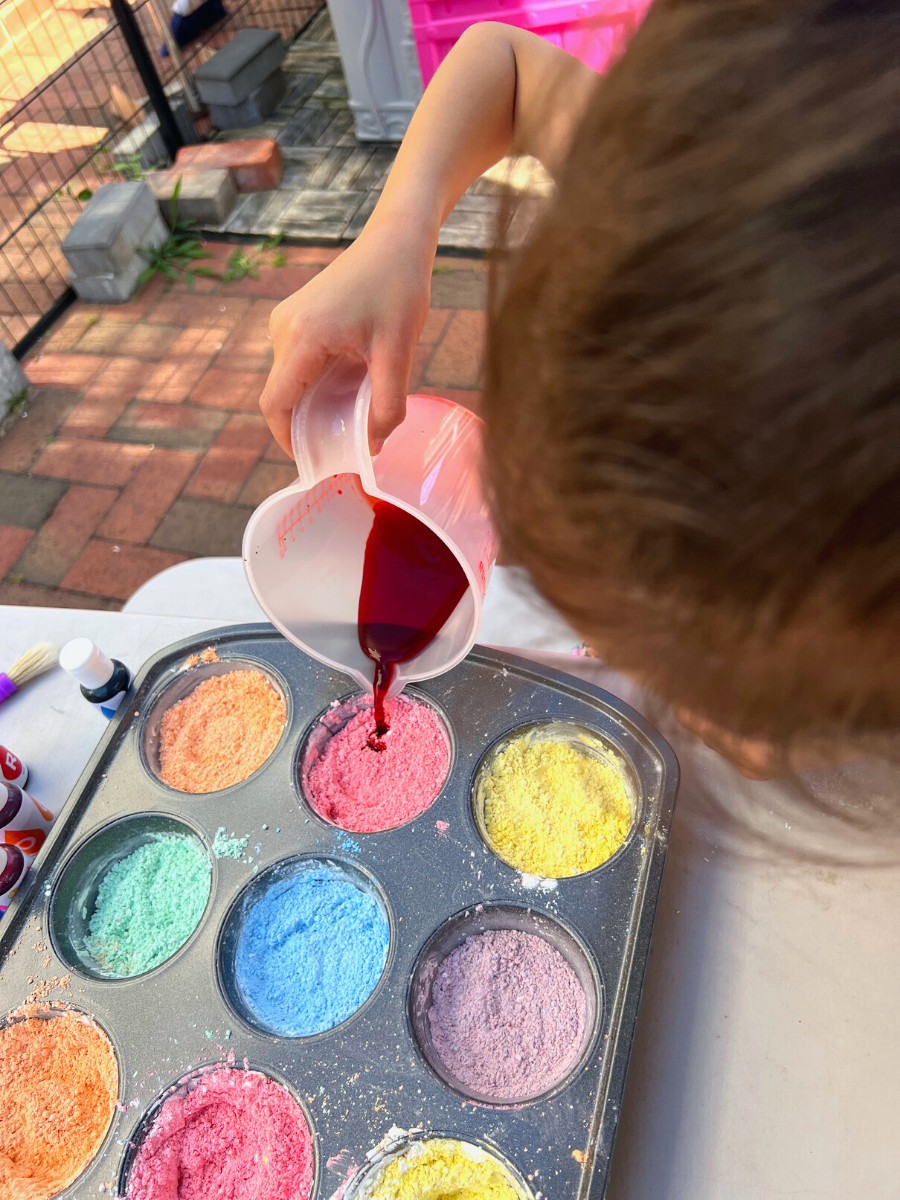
(755, 758)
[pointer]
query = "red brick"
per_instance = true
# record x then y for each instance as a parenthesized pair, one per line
(141, 340)
(249, 347)
(450, 262)
(222, 474)
(28, 434)
(434, 326)
(245, 431)
(105, 569)
(232, 458)
(73, 371)
(457, 360)
(276, 282)
(67, 332)
(208, 312)
(275, 454)
(173, 421)
(229, 389)
(90, 462)
(52, 597)
(266, 478)
(256, 163)
(13, 540)
(312, 254)
(106, 398)
(468, 399)
(65, 534)
(199, 343)
(140, 305)
(421, 355)
(153, 487)
(173, 382)
(106, 337)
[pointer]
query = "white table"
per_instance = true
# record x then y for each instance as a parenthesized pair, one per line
(767, 1059)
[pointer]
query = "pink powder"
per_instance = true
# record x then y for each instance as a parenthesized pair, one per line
(367, 791)
(507, 1014)
(235, 1135)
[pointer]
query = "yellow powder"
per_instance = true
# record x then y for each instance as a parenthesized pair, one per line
(553, 810)
(441, 1169)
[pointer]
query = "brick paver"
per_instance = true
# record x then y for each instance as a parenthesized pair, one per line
(143, 444)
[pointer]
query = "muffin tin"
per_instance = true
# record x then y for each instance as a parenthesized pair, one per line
(437, 879)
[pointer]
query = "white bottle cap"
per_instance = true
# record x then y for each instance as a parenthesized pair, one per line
(87, 662)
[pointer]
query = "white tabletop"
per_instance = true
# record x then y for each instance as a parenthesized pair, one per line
(767, 1058)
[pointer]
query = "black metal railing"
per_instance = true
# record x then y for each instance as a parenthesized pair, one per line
(69, 93)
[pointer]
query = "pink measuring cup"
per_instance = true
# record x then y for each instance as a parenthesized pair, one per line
(304, 547)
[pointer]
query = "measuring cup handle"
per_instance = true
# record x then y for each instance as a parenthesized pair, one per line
(329, 425)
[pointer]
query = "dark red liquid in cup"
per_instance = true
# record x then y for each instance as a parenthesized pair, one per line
(411, 584)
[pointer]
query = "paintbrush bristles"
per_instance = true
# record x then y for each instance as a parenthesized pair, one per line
(36, 661)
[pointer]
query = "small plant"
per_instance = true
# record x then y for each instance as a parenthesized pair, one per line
(15, 578)
(179, 251)
(240, 263)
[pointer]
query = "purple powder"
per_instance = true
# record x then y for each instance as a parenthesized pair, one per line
(507, 1014)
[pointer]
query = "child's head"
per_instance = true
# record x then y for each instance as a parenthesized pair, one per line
(693, 387)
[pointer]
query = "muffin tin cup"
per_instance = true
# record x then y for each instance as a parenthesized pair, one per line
(573, 733)
(360, 1185)
(47, 1011)
(482, 919)
(179, 688)
(232, 927)
(184, 1082)
(330, 722)
(74, 895)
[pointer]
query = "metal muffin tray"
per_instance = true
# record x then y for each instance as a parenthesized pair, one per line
(438, 882)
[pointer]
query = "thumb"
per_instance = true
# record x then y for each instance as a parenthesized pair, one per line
(389, 367)
(288, 379)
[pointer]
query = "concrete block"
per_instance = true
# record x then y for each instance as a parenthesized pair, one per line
(255, 163)
(13, 384)
(109, 289)
(146, 141)
(117, 220)
(206, 197)
(237, 70)
(259, 105)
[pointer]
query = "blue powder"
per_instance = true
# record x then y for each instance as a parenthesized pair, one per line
(311, 951)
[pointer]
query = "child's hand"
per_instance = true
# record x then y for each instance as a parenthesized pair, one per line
(370, 304)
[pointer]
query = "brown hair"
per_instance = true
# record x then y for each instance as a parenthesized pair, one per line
(693, 372)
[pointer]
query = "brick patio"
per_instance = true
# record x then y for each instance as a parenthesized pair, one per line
(143, 444)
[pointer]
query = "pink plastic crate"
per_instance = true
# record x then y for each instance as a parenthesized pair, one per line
(595, 31)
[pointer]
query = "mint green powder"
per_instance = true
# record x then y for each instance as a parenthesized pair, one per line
(149, 904)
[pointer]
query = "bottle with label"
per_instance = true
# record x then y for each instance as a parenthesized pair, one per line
(24, 825)
(13, 865)
(104, 681)
(23, 821)
(12, 769)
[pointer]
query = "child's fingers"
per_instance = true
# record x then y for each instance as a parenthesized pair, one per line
(389, 367)
(287, 381)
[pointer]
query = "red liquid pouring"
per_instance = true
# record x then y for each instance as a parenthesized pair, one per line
(411, 584)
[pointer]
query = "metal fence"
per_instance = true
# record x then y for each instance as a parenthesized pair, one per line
(69, 95)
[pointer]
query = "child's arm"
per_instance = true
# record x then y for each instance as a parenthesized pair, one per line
(500, 91)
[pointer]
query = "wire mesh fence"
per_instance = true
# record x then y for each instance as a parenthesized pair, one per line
(69, 96)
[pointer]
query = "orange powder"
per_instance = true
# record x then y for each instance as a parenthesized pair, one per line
(219, 734)
(59, 1082)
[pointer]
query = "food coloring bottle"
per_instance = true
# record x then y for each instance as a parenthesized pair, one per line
(12, 769)
(13, 865)
(23, 822)
(104, 681)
